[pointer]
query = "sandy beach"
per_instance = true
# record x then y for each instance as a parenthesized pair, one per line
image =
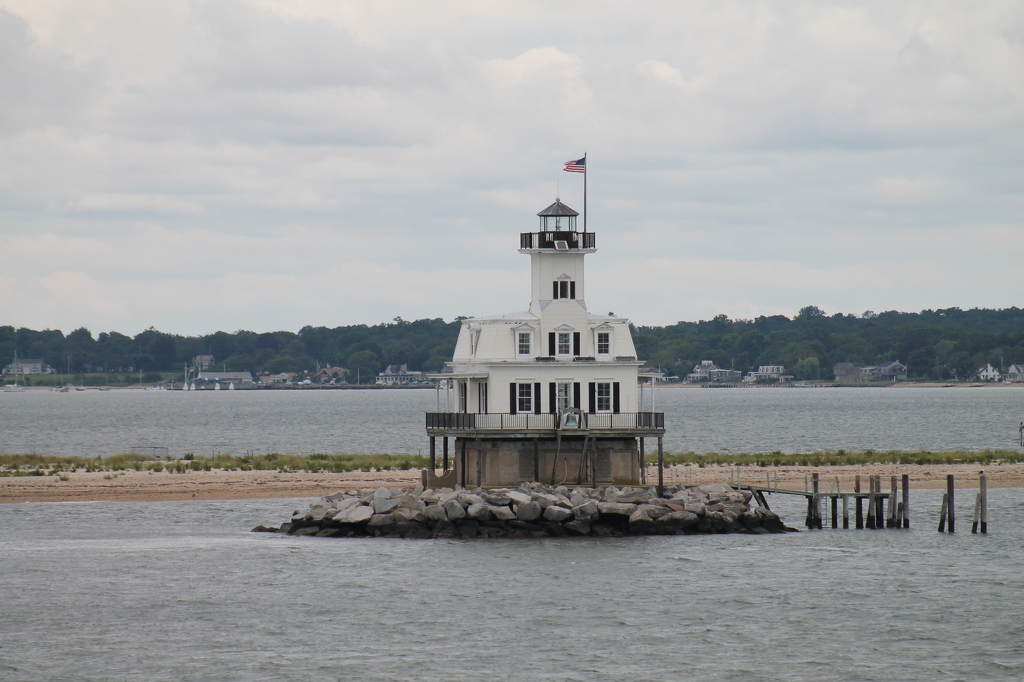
(229, 485)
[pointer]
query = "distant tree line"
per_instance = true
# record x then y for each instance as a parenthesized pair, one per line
(936, 344)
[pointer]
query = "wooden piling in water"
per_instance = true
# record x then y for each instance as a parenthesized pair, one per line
(906, 500)
(880, 501)
(983, 492)
(950, 513)
(846, 512)
(816, 486)
(444, 462)
(859, 502)
(977, 514)
(891, 522)
(871, 503)
(433, 455)
(942, 512)
(835, 511)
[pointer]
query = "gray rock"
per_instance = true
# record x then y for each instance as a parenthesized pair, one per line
(529, 511)
(308, 530)
(497, 499)
(359, 514)
(378, 520)
(674, 521)
(450, 495)
(640, 522)
(544, 500)
(654, 511)
(335, 497)
(435, 512)
(346, 503)
(502, 513)
(588, 511)
(443, 529)
(635, 497)
(413, 530)
(479, 512)
(430, 497)
(468, 529)
(453, 510)
(518, 496)
(469, 499)
(418, 490)
(578, 527)
(616, 508)
(578, 498)
(610, 493)
(411, 502)
(384, 505)
(557, 513)
(381, 493)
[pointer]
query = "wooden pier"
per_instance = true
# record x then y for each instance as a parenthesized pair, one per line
(889, 509)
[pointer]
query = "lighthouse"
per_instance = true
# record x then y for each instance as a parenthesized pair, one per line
(554, 393)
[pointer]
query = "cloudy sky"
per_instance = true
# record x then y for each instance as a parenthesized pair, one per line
(268, 164)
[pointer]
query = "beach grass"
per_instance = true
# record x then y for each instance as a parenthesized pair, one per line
(45, 465)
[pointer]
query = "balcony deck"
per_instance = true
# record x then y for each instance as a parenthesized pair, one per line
(625, 424)
(557, 241)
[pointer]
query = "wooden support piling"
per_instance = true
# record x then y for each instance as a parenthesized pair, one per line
(983, 492)
(661, 467)
(433, 455)
(871, 503)
(977, 514)
(880, 501)
(859, 502)
(445, 460)
(846, 512)
(906, 500)
(835, 511)
(942, 513)
(815, 486)
(643, 463)
(950, 514)
(891, 521)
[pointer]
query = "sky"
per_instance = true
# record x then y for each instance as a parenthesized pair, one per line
(198, 166)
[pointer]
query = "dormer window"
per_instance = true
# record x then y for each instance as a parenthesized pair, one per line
(562, 288)
(523, 344)
(564, 343)
(604, 343)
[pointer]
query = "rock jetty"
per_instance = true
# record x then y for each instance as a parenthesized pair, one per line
(531, 510)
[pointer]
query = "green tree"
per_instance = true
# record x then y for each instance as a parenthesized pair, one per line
(363, 366)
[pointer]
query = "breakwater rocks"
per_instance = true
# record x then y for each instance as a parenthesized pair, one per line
(531, 510)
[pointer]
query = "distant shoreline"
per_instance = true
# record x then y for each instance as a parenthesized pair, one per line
(146, 486)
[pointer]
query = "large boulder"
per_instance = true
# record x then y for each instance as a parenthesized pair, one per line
(453, 510)
(502, 513)
(384, 505)
(588, 511)
(529, 511)
(636, 497)
(479, 511)
(518, 496)
(616, 508)
(435, 512)
(557, 513)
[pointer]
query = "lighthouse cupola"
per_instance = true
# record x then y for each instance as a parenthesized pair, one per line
(557, 231)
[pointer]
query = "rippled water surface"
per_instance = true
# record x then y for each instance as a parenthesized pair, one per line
(180, 591)
(94, 423)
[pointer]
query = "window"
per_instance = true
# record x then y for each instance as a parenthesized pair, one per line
(523, 344)
(563, 289)
(482, 399)
(463, 398)
(524, 403)
(604, 343)
(563, 395)
(564, 343)
(604, 396)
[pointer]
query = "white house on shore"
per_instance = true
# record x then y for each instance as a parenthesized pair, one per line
(768, 373)
(549, 393)
(986, 373)
(1014, 373)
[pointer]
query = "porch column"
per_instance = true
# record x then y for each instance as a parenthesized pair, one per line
(433, 455)
(445, 461)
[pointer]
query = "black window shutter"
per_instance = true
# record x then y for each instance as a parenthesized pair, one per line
(552, 400)
(572, 290)
(551, 344)
(513, 398)
(554, 289)
(615, 397)
(576, 395)
(576, 344)
(536, 398)
(591, 396)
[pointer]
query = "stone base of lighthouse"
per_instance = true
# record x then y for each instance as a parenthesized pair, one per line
(569, 460)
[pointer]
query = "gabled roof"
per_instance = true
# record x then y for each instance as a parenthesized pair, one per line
(558, 209)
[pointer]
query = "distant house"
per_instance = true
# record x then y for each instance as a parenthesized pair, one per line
(768, 373)
(707, 370)
(22, 366)
(986, 373)
(847, 373)
(889, 371)
(201, 362)
(398, 375)
(331, 375)
(237, 378)
(1014, 373)
(282, 378)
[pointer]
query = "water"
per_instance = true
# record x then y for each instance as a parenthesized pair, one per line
(92, 423)
(180, 591)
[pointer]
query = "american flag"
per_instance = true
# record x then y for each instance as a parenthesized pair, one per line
(576, 166)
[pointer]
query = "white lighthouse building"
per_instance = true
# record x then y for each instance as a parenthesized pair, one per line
(553, 393)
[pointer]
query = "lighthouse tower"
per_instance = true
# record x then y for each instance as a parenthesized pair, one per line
(550, 394)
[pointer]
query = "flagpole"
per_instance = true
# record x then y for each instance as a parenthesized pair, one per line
(584, 192)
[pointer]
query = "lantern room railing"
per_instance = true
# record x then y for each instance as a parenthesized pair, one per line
(557, 241)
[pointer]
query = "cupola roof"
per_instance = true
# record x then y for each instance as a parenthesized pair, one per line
(557, 209)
